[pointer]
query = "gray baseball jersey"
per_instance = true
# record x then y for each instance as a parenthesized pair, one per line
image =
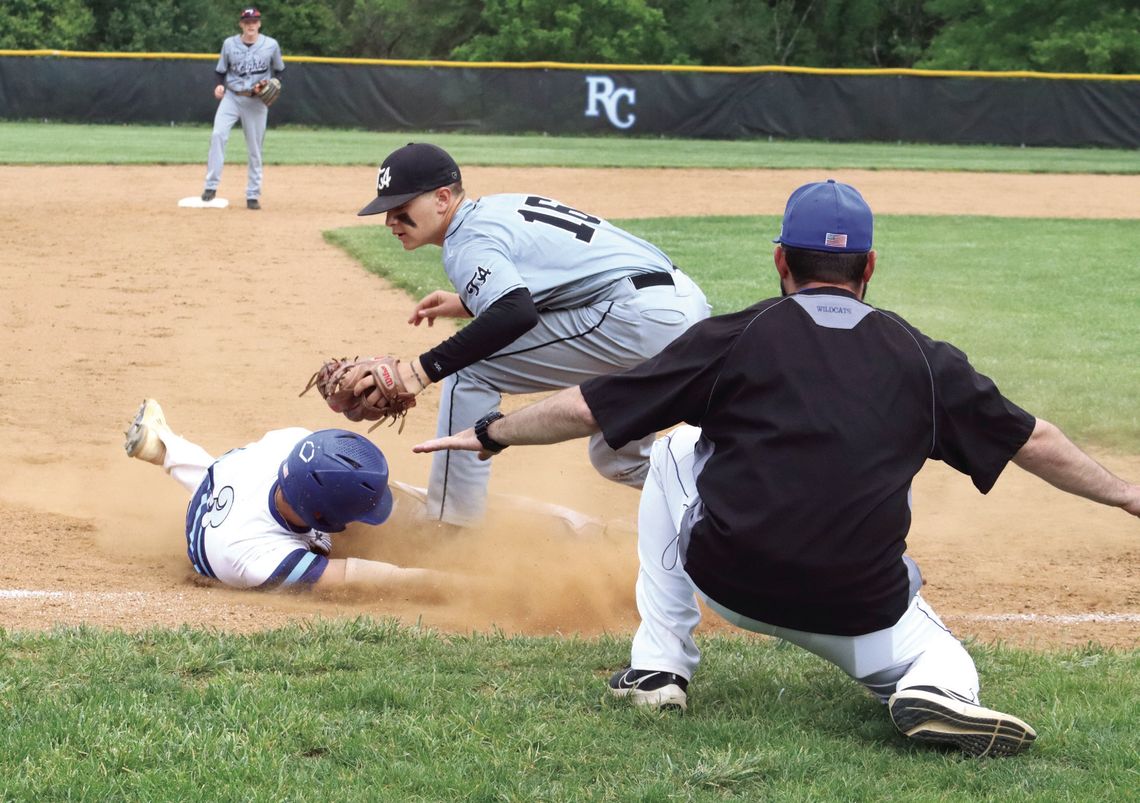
(565, 258)
(592, 320)
(244, 65)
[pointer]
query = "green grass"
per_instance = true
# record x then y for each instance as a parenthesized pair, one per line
(1047, 308)
(58, 143)
(363, 710)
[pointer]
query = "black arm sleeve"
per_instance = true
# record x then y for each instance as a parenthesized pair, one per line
(500, 324)
(219, 78)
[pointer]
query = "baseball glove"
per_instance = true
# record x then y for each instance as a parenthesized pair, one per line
(268, 90)
(360, 389)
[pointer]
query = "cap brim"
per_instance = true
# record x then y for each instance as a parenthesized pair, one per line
(382, 203)
(383, 509)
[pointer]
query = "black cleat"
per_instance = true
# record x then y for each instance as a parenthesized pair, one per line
(208, 195)
(931, 715)
(650, 688)
(252, 203)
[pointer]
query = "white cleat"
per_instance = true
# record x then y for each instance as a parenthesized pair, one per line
(143, 440)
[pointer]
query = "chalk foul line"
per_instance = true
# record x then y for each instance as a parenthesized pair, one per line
(1042, 618)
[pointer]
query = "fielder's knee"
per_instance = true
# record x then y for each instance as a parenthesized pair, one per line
(619, 468)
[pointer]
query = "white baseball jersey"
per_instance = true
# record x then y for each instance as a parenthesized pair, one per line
(566, 258)
(244, 65)
(233, 530)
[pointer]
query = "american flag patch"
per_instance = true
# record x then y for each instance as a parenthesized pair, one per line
(835, 240)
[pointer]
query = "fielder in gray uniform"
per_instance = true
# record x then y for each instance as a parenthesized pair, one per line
(558, 296)
(246, 58)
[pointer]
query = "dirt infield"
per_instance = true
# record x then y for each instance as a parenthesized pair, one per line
(109, 293)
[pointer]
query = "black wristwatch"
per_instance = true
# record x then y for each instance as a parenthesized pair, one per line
(489, 444)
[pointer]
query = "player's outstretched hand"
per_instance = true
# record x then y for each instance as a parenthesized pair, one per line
(462, 441)
(438, 304)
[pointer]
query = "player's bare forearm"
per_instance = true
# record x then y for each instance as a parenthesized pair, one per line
(1054, 458)
(561, 417)
(374, 575)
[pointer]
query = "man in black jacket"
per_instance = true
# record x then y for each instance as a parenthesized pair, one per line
(787, 510)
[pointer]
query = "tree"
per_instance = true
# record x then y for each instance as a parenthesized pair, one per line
(610, 31)
(44, 24)
(1046, 35)
(178, 26)
(409, 29)
(735, 32)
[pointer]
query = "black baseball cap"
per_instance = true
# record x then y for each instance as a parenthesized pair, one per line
(409, 171)
(249, 14)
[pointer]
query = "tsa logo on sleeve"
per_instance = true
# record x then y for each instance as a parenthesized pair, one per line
(602, 91)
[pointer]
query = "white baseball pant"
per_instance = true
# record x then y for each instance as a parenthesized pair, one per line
(918, 650)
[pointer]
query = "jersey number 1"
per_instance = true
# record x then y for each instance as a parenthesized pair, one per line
(566, 218)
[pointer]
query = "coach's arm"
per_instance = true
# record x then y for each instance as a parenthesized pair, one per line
(1054, 458)
(561, 417)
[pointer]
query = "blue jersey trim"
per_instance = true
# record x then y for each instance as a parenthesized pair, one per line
(195, 530)
(300, 567)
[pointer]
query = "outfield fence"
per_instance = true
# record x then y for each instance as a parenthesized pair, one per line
(943, 107)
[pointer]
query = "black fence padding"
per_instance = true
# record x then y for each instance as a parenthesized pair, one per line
(1032, 111)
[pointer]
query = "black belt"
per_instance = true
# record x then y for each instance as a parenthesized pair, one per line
(643, 280)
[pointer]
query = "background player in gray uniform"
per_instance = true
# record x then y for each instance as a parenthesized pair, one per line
(558, 296)
(260, 516)
(246, 58)
(788, 510)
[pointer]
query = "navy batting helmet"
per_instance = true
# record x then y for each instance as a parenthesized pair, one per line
(334, 477)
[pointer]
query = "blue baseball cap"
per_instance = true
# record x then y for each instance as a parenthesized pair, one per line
(827, 216)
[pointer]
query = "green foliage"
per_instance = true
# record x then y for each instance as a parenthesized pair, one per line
(408, 29)
(624, 31)
(873, 33)
(176, 26)
(733, 32)
(1051, 35)
(44, 24)
(1044, 35)
(313, 29)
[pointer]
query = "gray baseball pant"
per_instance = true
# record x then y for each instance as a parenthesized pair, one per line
(253, 115)
(564, 349)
